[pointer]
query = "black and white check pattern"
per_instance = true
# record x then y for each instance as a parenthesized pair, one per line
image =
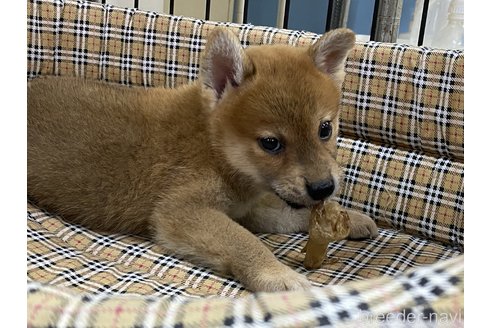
(406, 190)
(69, 255)
(384, 302)
(414, 95)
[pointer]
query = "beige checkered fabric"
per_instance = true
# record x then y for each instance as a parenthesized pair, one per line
(402, 138)
(401, 146)
(427, 297)
(68, 255)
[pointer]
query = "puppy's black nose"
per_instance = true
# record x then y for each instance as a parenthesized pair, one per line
(319, 190)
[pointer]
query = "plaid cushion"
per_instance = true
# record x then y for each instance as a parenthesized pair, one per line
(426, 297)
(68, 255)
(405, 190)
(402, 145)
(402, 107)
(407, 97)
(127, 46)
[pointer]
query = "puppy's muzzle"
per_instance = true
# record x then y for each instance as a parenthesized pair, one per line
(320, 190)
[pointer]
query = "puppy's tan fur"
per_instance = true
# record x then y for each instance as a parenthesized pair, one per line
(184, 166)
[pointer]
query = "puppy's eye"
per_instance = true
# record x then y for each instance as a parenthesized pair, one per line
(325, 130)
(270, 145)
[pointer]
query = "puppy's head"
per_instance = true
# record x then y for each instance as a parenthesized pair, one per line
(274, 111)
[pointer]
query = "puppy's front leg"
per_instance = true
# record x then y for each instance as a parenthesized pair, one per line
(271, 214)
(361, 226)
(209, 237)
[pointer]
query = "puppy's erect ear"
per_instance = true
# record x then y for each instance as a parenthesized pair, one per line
(224, 63)
(330, 52)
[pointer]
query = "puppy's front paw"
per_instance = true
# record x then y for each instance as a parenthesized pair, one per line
(361, 226)
(279, 278)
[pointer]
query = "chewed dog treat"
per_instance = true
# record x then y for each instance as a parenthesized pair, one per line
(328, 222)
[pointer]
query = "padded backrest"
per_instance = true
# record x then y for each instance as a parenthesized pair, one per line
(401, 130)
(402, 138)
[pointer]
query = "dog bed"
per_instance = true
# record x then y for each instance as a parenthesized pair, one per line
(401, 146)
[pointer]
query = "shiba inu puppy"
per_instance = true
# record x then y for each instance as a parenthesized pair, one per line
(246, 148)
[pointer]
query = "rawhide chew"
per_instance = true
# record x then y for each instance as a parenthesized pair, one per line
(328, 222)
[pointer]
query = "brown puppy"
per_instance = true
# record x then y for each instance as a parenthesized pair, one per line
(247, 145)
